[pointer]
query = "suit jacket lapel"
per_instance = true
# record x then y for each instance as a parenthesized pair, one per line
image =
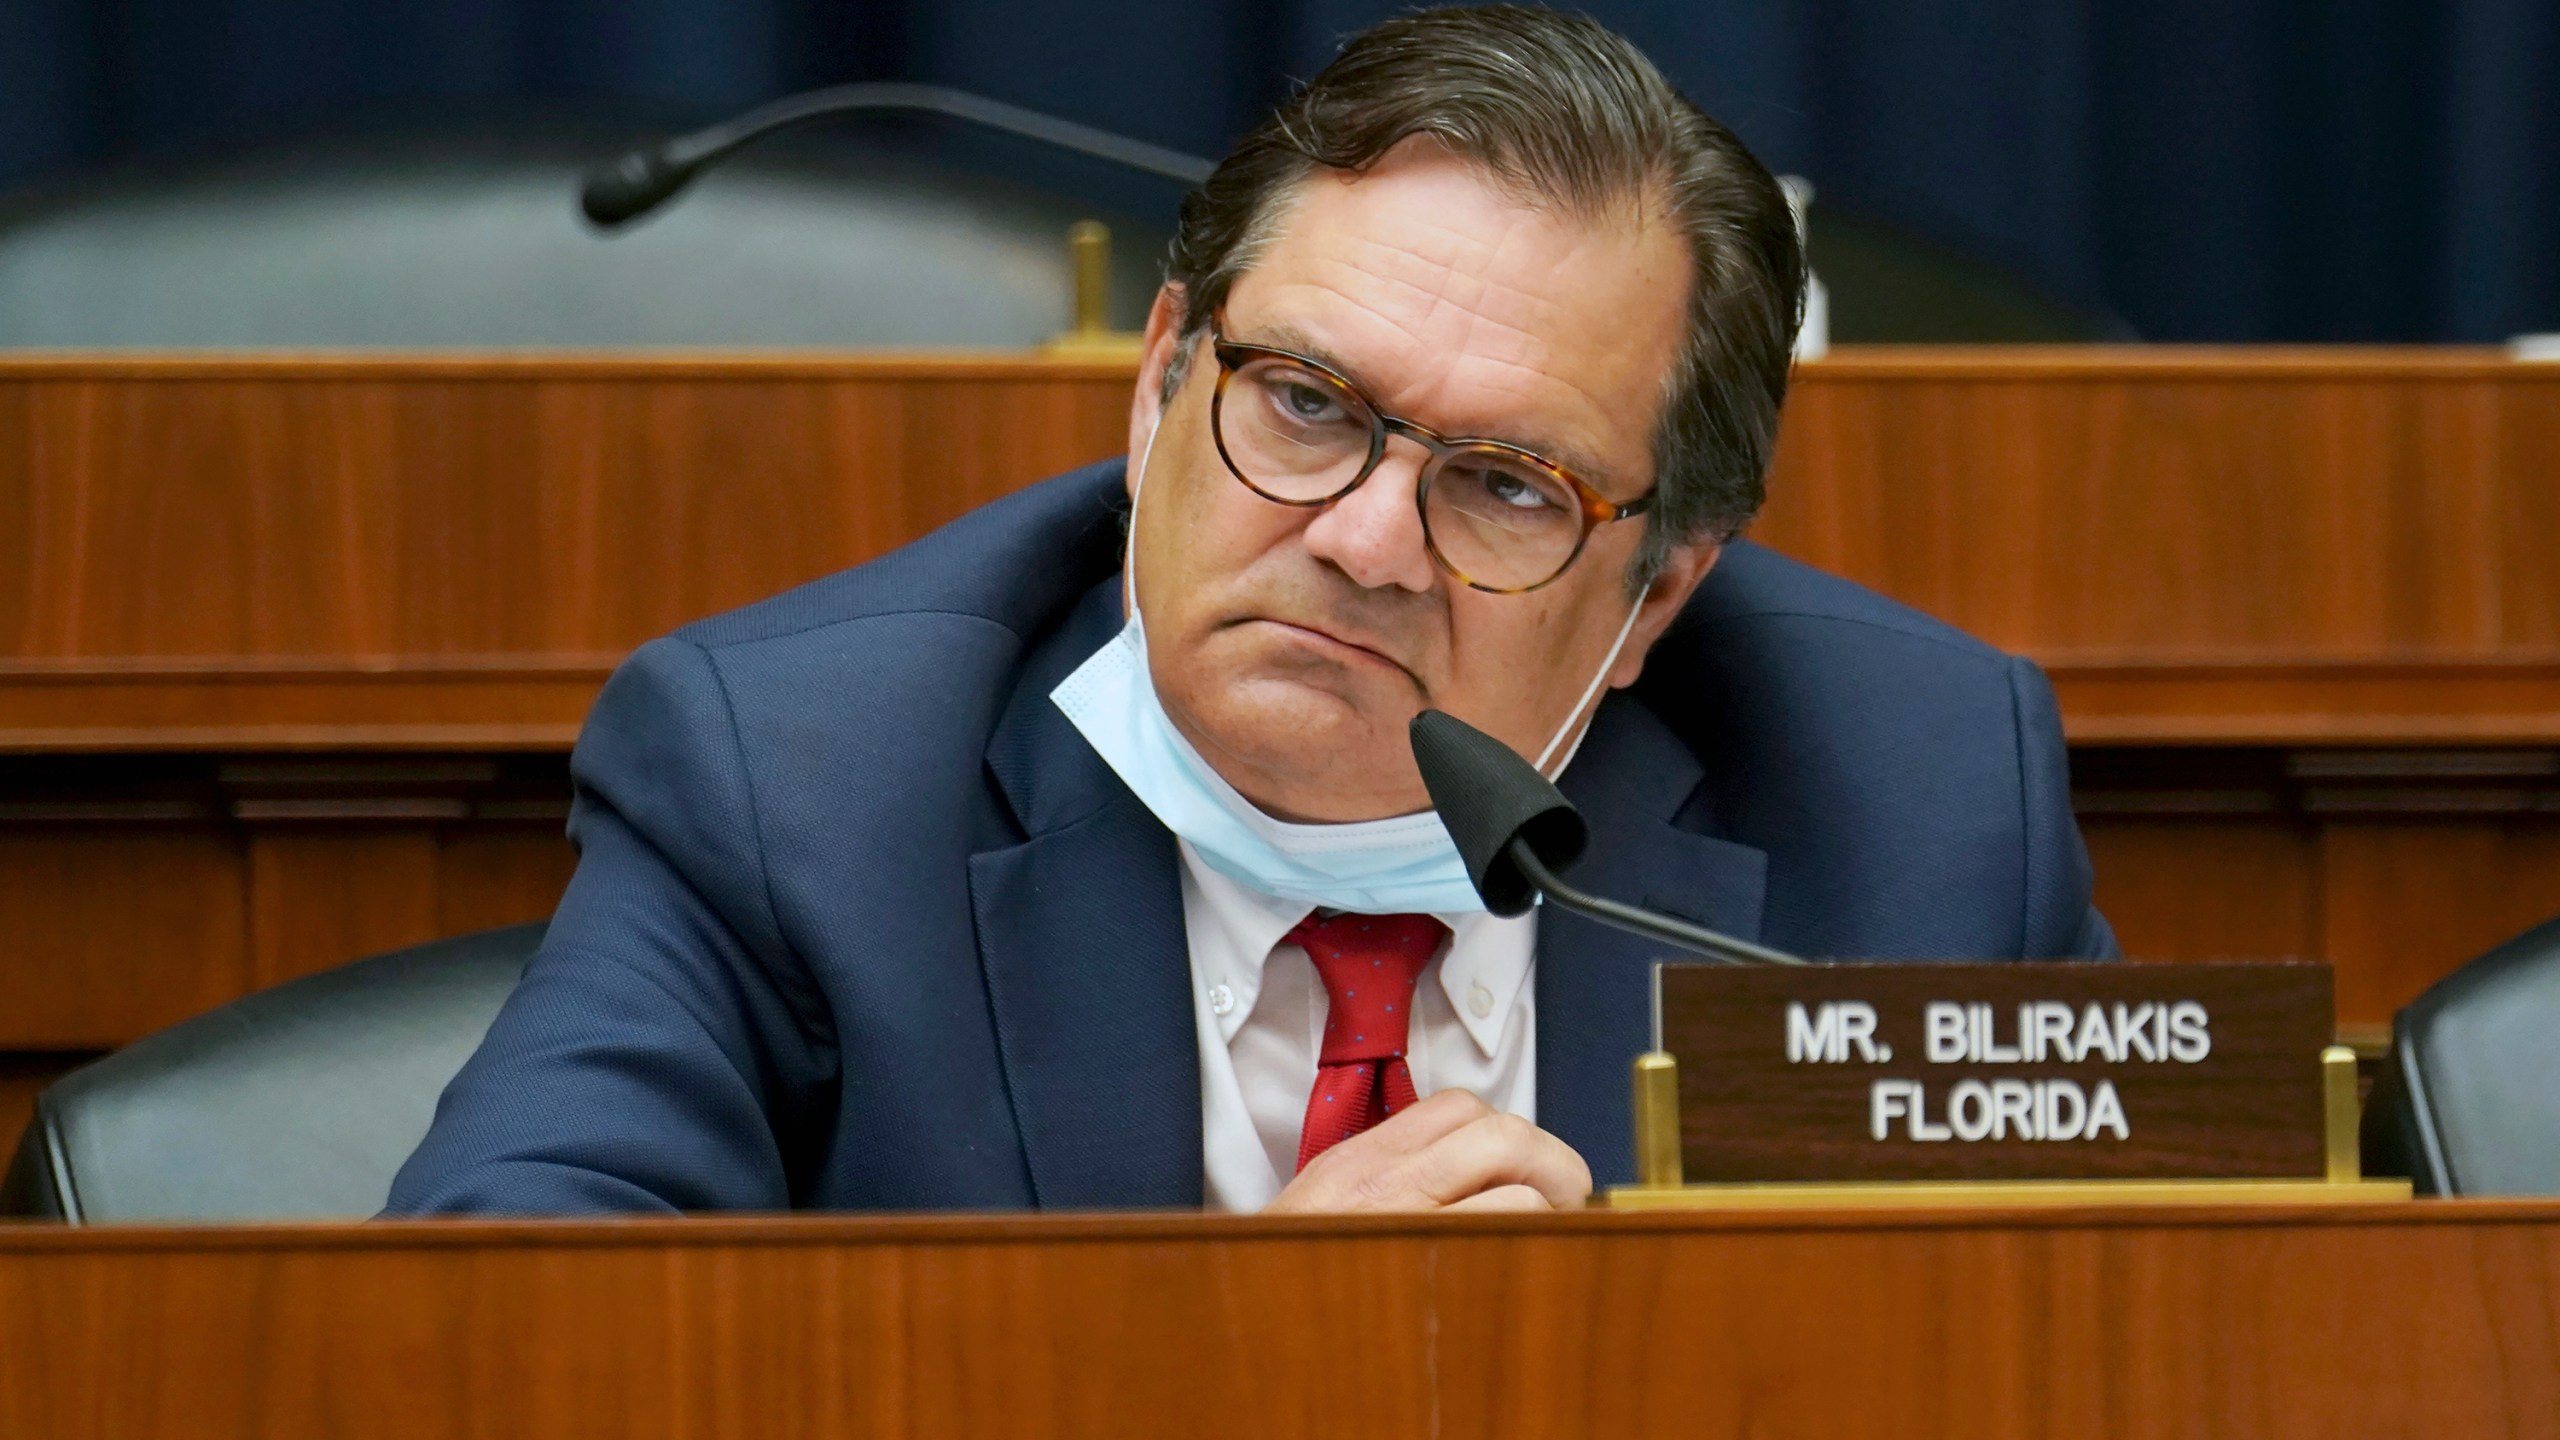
(1594, 983)
(1081, 937)
(1080, 933)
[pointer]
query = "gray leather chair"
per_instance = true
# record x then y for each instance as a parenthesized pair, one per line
(1891, 287)
(2468, 1103)
(475, 242)
(298, 1102)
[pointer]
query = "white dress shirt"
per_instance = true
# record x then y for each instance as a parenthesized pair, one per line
(1260, 1014)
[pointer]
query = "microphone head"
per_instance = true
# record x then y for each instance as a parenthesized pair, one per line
(631, 187)
(1488, 796)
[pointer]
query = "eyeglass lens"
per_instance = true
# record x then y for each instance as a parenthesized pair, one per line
(1299, 437)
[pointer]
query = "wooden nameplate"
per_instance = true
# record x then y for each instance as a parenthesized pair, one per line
(2014, 1083)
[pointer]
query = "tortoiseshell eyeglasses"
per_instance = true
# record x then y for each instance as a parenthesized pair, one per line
(1496, 517)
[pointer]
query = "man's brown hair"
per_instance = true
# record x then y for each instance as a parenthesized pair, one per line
(1566, 112)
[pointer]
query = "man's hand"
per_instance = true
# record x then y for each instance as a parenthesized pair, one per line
(1450, 1152)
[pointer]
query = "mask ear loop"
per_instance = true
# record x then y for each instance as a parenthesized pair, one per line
(1137, 490)
(1575, 714)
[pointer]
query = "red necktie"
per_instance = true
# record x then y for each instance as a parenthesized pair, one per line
(1368, 964)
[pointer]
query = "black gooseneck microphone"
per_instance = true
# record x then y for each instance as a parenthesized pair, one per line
(648, 177)
(1515, 830)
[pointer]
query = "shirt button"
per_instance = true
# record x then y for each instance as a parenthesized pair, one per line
(1480, 1000)
(1222, 1000)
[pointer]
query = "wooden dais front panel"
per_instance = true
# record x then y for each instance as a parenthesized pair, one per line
(2331, 1323)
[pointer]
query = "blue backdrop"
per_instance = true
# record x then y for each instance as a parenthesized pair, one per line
(2383, 170)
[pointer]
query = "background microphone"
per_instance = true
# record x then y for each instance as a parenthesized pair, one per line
(1515, 830)
(648, 177)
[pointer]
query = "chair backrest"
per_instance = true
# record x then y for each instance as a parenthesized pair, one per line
(2469, 1101)
(1890, 286)
(298, 1102)
(474, 242)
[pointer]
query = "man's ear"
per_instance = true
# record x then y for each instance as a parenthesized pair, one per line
(1671, 590)
(1146, 403)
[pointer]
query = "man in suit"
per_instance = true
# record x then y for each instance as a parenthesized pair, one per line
(1074, 856)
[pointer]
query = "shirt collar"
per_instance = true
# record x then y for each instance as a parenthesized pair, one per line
(1485, 951)
(1247, 923)
(1491, 953)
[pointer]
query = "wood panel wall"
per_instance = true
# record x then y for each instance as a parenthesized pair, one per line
(2203, 547)
(2270, 547)
(453, 554)
(291, 650)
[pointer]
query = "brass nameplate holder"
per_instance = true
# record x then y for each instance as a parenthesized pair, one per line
(1931, 1085)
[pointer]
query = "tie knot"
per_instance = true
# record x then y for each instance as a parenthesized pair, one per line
(1368, 964)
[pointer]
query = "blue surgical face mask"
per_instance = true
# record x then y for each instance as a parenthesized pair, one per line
(1403, 865)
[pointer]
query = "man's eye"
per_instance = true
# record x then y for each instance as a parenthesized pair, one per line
(1515, 492)
(1306, 402)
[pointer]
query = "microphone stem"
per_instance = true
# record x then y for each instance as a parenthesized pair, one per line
(704, 146)
(1676, 933)
(646, 178)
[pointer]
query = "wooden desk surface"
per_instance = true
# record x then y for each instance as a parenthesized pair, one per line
(2431, 1318)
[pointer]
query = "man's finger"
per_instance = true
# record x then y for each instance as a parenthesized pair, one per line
(1439, 1152)
(1495, 1151)
(1505, 1199)
(1410, 1131)
(1425, 1122)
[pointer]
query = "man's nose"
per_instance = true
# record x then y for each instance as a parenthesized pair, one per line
(1374, 534)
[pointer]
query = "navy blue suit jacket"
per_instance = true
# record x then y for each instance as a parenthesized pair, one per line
(860, 921)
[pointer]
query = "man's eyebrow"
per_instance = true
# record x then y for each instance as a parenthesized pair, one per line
(1281, 335)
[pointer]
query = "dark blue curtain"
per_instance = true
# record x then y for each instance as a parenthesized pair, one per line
(2241, 170)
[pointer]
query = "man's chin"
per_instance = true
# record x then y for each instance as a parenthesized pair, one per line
(1323, 711)
(1301, 748)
